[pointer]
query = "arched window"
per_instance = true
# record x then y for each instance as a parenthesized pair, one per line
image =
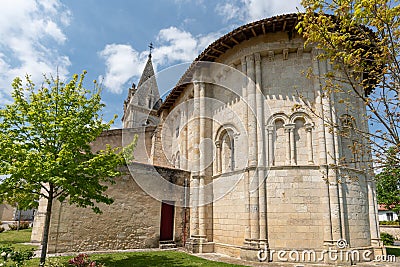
(225, 144)
(300, 137)
(227, 150)
(279, 143)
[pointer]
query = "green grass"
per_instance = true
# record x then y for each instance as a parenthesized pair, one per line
(393, 251)
(144, 259)
(15, 238)
(125, 259)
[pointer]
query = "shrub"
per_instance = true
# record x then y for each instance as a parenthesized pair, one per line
(22, 225)
(389, 223)
(54, 262)
(82, 260)
(17, 257)
(387, 239)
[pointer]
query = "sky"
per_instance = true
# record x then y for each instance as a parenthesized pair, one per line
(110, 39)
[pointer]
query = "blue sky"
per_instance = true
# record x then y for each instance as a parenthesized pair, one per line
(110, 39)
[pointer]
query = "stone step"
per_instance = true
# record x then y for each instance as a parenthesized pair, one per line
(169, 244)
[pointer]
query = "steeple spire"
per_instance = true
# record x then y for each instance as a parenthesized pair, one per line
(148, 71)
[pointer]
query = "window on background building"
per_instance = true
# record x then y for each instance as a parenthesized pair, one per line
(389, 216)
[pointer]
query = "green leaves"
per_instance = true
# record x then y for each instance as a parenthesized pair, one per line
(359, 41)
(388, 182)
(45, 137)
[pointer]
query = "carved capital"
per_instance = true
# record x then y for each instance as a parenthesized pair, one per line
(257, 57)
(309, 126)
(289, 127)
(300, 52)
(285, 53)
(271, 55)
(250, 58)
(218, 144)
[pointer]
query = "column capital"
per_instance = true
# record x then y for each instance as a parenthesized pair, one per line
(195, 175)
(257, 57)
(271, 55)
(197, 82)
(289, 126)
(316, 51)
(300, 51)
(285, 53)
(218, 143)
(309, 126)
(250, 58)
(271, 129)
(243, 60)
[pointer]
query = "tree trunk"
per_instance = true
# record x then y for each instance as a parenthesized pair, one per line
(46, 229)
(19, 219)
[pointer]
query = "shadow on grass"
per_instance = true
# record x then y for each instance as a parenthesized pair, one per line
(393, 251)
(162, 258)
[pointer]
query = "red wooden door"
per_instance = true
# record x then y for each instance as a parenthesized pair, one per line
(167, 221)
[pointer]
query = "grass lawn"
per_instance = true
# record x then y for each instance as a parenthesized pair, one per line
(15, 238)
(135, 259)
(144, 259)
(393, 251)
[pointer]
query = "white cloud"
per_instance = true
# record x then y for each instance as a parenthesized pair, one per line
(229, 11)
(33, 29)
(122, 63)
(259, 9)
(173, 46)
(251, 10)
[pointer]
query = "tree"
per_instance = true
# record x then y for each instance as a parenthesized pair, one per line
(45, 137)
(388, 185)
(360, 38)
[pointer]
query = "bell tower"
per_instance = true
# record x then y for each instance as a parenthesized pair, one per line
(143, 101)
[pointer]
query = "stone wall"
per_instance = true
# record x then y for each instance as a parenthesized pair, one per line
(6, 212)
(394, 230)
(123, 137)
(132, 221)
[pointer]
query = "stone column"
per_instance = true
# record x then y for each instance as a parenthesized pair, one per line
(186, 140)
(196, 127)
(252, 112)
(247, 230)
(372, 202)
(334, 201)
(203, 158)
(183, 138)
(271, 130)
(321, 156)
(244, 86)
(292, 145)
(194, 211)
(261, 151)
(218, 155)
(194, 185)
(202, 221)
(290, 148)
(253, 151)
(309, 127)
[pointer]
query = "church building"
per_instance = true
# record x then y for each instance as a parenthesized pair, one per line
(231, 161)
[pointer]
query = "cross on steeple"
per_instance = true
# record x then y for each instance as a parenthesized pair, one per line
(151, 48)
